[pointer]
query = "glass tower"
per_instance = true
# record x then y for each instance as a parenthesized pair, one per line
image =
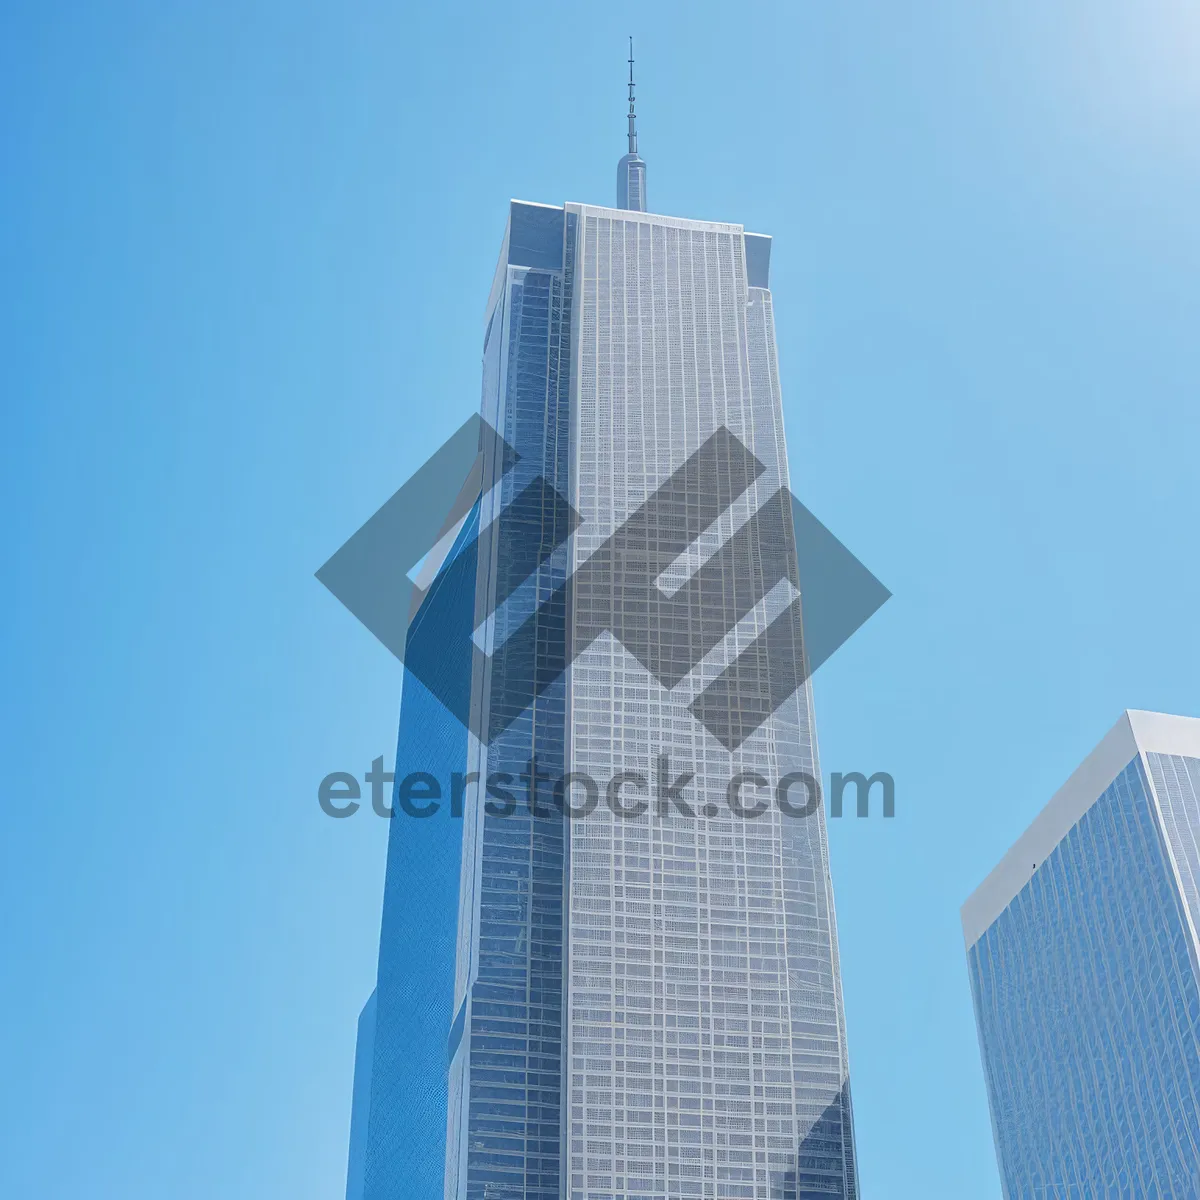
(643, 1002)
(1085, 968)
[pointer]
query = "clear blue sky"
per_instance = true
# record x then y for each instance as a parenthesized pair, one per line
(245, 251)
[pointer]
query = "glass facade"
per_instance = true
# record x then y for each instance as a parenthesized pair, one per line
(1176, 780)
(706, 1044)
(398, 1126)
(360, 1113)
(634, 1007)
(1088, 1003)
(504, 1136)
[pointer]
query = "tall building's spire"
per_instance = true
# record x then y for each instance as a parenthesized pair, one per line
(631, 171)
(632, 114)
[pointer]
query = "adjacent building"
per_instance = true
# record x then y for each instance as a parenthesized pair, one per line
(1085, 968)
(631, 1008)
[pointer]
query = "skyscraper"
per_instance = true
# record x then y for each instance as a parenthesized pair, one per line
(1085, 968)
(644, 1001)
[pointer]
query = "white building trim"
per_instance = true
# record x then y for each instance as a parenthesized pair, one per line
(1135, 732)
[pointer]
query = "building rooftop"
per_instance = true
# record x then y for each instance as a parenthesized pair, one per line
(1135, 733)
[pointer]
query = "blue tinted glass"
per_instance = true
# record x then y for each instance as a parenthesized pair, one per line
(1089, 1013)
(506, 1041)
(406, 1125)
